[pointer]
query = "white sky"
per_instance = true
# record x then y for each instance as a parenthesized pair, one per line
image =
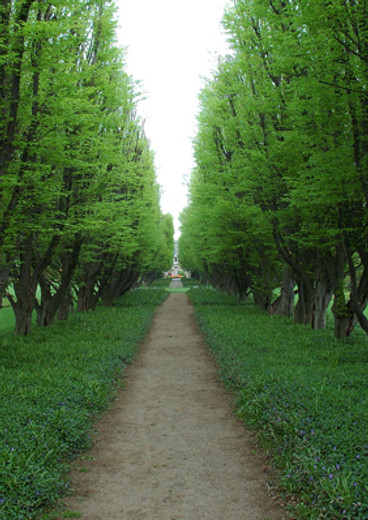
(171, 46)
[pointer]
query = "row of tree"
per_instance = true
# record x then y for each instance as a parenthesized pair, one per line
(279, 194)
(79, 202)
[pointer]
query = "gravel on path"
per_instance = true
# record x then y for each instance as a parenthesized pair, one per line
(170, 447)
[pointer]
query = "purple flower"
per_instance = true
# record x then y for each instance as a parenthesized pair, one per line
(338, 466)
(330, 476)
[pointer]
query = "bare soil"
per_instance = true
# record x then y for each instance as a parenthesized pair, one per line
(170, 447)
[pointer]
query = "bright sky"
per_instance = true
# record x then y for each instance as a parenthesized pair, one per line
(171, 46)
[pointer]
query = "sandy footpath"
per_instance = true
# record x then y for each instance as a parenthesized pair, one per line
(170, 447)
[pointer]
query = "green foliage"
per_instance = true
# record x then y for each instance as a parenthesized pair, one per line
(281, 158)
(78, 178)
(160, 282)
(210, 296)
(6, 319)
(142, 297)
(190, 282)
(307, 396)
(52, 384)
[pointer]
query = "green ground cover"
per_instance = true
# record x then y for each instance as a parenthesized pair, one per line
(191, 282)
(52, 383)
(7, 320)
(306, 394)
(160, 282)
(165, 283)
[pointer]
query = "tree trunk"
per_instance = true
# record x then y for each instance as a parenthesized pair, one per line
(4, 278)
(348, 314)
(51, 306)
(262, 300)
(283, 305)
(66, 306)
(236, 283)
(45, 288)
(119, 284)
(304, 308)
(87, 296)
(25, 291)
(344, 316)
(322, 296)
(97, 276)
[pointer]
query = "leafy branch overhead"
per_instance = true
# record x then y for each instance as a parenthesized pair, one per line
(78, 184)
(278, 197)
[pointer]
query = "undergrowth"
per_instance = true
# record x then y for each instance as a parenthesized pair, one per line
(191, 282)
(306, 394)
(52, 383)
(160, 282)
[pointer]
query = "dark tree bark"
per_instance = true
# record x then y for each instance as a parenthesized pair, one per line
(283, 305)
(66, 306)
(96, 276)
(11, 85)
(322, 296)
(348, 313)
(87, 293)
(304, 308)
(119, 283)
(51, 303)
(25, 290)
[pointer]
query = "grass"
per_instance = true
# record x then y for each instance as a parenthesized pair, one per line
(305, 393)
(191, 282)
(160, 282)
(52, 384)
(177, 289)
(165, 283)
(7, 320)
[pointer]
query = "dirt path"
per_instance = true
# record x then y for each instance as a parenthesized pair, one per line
(170, 448)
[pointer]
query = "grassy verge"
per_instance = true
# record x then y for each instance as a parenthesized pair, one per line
(160, 282)
(307, 396)
(52, 384)
(7, 320)
(190, 282)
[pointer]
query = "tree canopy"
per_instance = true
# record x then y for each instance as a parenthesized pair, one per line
(278, 195)
(79, 199)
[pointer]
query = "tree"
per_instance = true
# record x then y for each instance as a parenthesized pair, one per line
(78, 182)
(282, 118)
